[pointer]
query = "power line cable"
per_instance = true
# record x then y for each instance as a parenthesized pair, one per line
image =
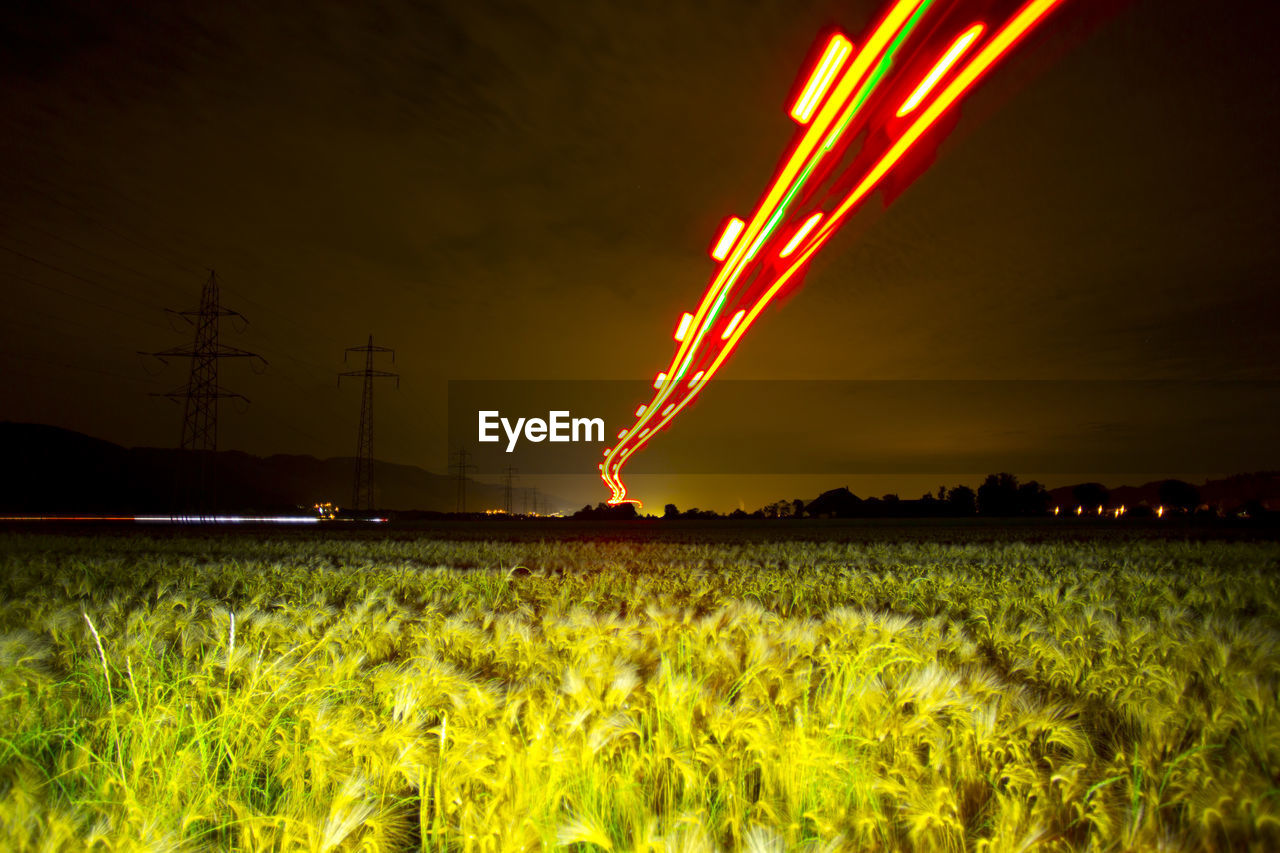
(138, 317)
(63, 364)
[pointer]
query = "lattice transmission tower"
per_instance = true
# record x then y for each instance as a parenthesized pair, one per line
(507, 504)
(362, 491)
(460, 468)
(201, 395)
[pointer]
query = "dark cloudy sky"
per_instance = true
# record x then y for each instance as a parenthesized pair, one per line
(527, 191)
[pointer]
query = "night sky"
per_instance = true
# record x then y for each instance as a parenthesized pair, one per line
(528, 190)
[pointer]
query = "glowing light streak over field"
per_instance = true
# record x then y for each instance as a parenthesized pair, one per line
(685, 320)
(728, 238)
(883, 33)
(866, 76)
(800, 235)
(728, 273)
(838, 50)
(881, 69)
(733, 324)
(944, 65)
(902, 15)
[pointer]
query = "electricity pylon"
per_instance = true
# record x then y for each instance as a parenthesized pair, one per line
(506, 503)
(201, 396)
(362, 492)
(461, 467)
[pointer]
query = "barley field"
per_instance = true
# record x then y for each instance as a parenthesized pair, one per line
(315, 693)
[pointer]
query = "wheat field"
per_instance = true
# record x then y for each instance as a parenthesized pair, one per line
(324, 694)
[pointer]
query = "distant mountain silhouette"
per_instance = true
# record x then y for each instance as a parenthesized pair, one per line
(49, 469)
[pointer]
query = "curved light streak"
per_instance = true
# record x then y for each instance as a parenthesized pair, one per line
(838, 50)
(866, 75)
(894, 21)
(727, 238)
(800, 235)
(948, 59)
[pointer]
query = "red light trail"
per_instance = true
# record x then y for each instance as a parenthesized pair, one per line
(907, 75)
(838, 49)
(944, 65)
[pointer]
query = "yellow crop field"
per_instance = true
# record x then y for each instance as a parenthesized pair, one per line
(326, 694)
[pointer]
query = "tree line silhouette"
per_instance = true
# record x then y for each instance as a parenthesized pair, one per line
(1000, 496)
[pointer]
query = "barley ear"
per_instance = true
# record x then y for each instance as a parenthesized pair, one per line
(102, 654)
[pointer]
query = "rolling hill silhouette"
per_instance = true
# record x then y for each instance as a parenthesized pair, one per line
(49, 469)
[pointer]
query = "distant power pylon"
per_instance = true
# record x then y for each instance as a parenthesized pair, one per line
(362, 492)
(506, 502)
(460, 468)
(201, 396)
